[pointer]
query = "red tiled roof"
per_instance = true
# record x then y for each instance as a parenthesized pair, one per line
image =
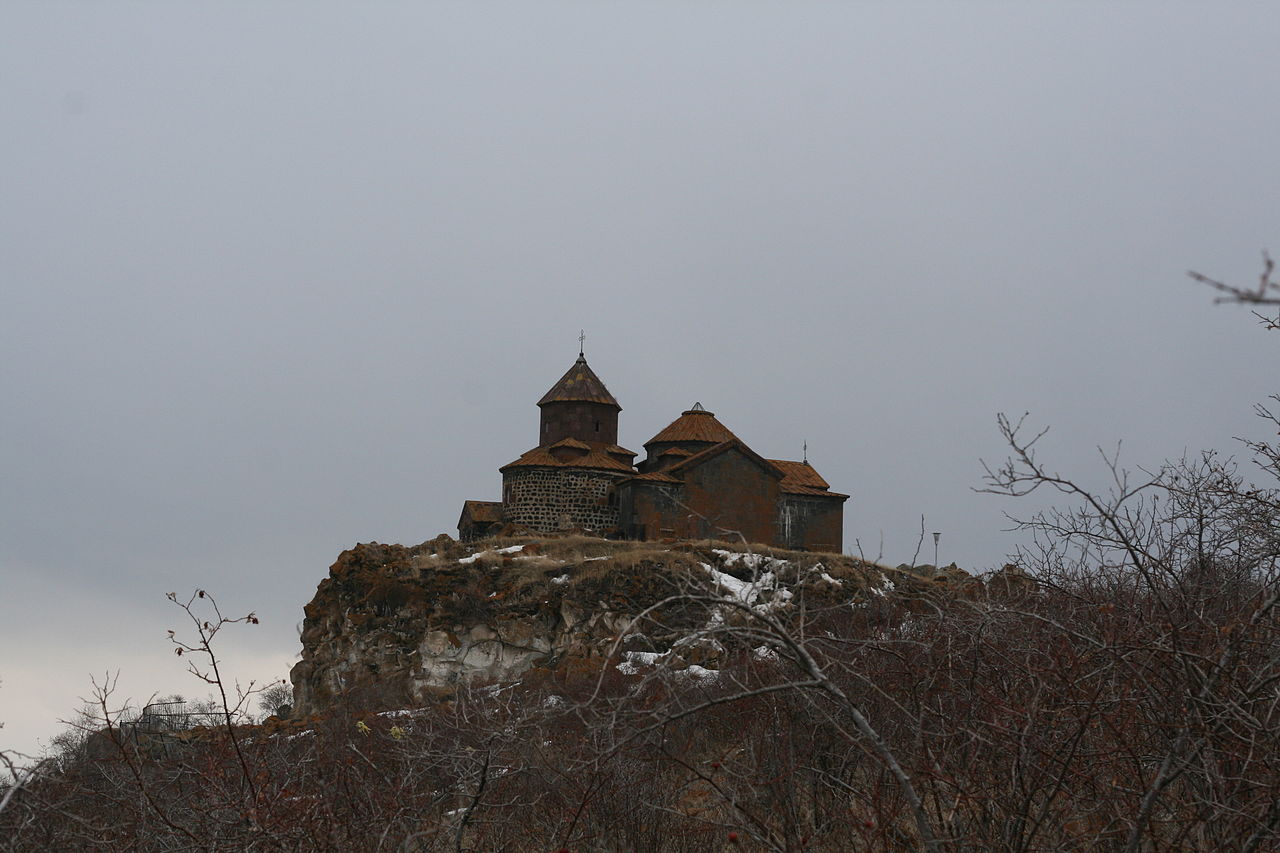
(696, 424)
(490, 511)
(596, 459)
(626, 457)
(799, 474)
(676, 451)
(572, 442)
(579, 385)
(656, 476)
(537, 456)
(809, 491)
(540, 457)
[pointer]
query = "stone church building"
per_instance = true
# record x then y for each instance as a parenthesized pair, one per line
(697, 480)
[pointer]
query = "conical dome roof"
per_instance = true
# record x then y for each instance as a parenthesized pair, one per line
(696, 424)
(579, 385)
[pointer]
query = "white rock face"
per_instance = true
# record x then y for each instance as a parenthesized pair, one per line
(412, 668)
(480, 654)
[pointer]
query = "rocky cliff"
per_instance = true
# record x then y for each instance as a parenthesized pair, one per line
(393, 626)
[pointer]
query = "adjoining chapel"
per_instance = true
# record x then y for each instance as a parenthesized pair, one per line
(697, 481)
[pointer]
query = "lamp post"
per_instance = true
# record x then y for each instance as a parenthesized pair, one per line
(936, 537)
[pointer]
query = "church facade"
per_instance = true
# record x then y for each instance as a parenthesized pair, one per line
(697, 480)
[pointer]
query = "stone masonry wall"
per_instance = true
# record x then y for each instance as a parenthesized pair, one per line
(811, 524)
(590, 422)
(548, 499)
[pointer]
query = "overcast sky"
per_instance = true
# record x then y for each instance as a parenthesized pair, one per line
(277, 278)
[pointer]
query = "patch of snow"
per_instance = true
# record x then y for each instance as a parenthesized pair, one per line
(635, 660)
(751, 593)
(744, 591)
(700, 642)
(560, 579)
(593, 559)
(477, 555)
(527, 557)
(646, 658)
(764, 653)
(886, 587)
(732, 558)
(701, 672)
(826, 577)
(495, 689)
(750, 561)
(553, 701)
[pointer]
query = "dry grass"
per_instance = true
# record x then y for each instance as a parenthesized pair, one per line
(428, 561)
(526, 572)
(625, 561)
(591, 562)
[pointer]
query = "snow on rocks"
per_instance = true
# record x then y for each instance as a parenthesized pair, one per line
(762, 594)
(636, 662)
(509, 550)
(750, 561)
(633, 661)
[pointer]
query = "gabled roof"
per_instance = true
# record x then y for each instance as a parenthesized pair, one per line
(482, 511)
(540, 457)
(799, 474)
(677, 472)
(654, 477)
(811, 492)
(579, 385)
(572, 442)
(696, 424)
(711, 452)
(799, 478)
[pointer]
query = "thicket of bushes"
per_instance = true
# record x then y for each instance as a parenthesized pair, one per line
(1038, 718)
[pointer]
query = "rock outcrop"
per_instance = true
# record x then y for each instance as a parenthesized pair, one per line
(393, 626)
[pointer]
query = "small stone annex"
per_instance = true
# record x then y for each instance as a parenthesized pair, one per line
(697, 481)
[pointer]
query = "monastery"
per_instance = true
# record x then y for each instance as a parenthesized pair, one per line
(697, 481)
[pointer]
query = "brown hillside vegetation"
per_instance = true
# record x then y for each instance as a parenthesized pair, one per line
(735, 700)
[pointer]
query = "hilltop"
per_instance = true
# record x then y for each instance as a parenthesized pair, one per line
(392, 626)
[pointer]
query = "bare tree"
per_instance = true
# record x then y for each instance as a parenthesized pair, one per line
(1267, 291)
